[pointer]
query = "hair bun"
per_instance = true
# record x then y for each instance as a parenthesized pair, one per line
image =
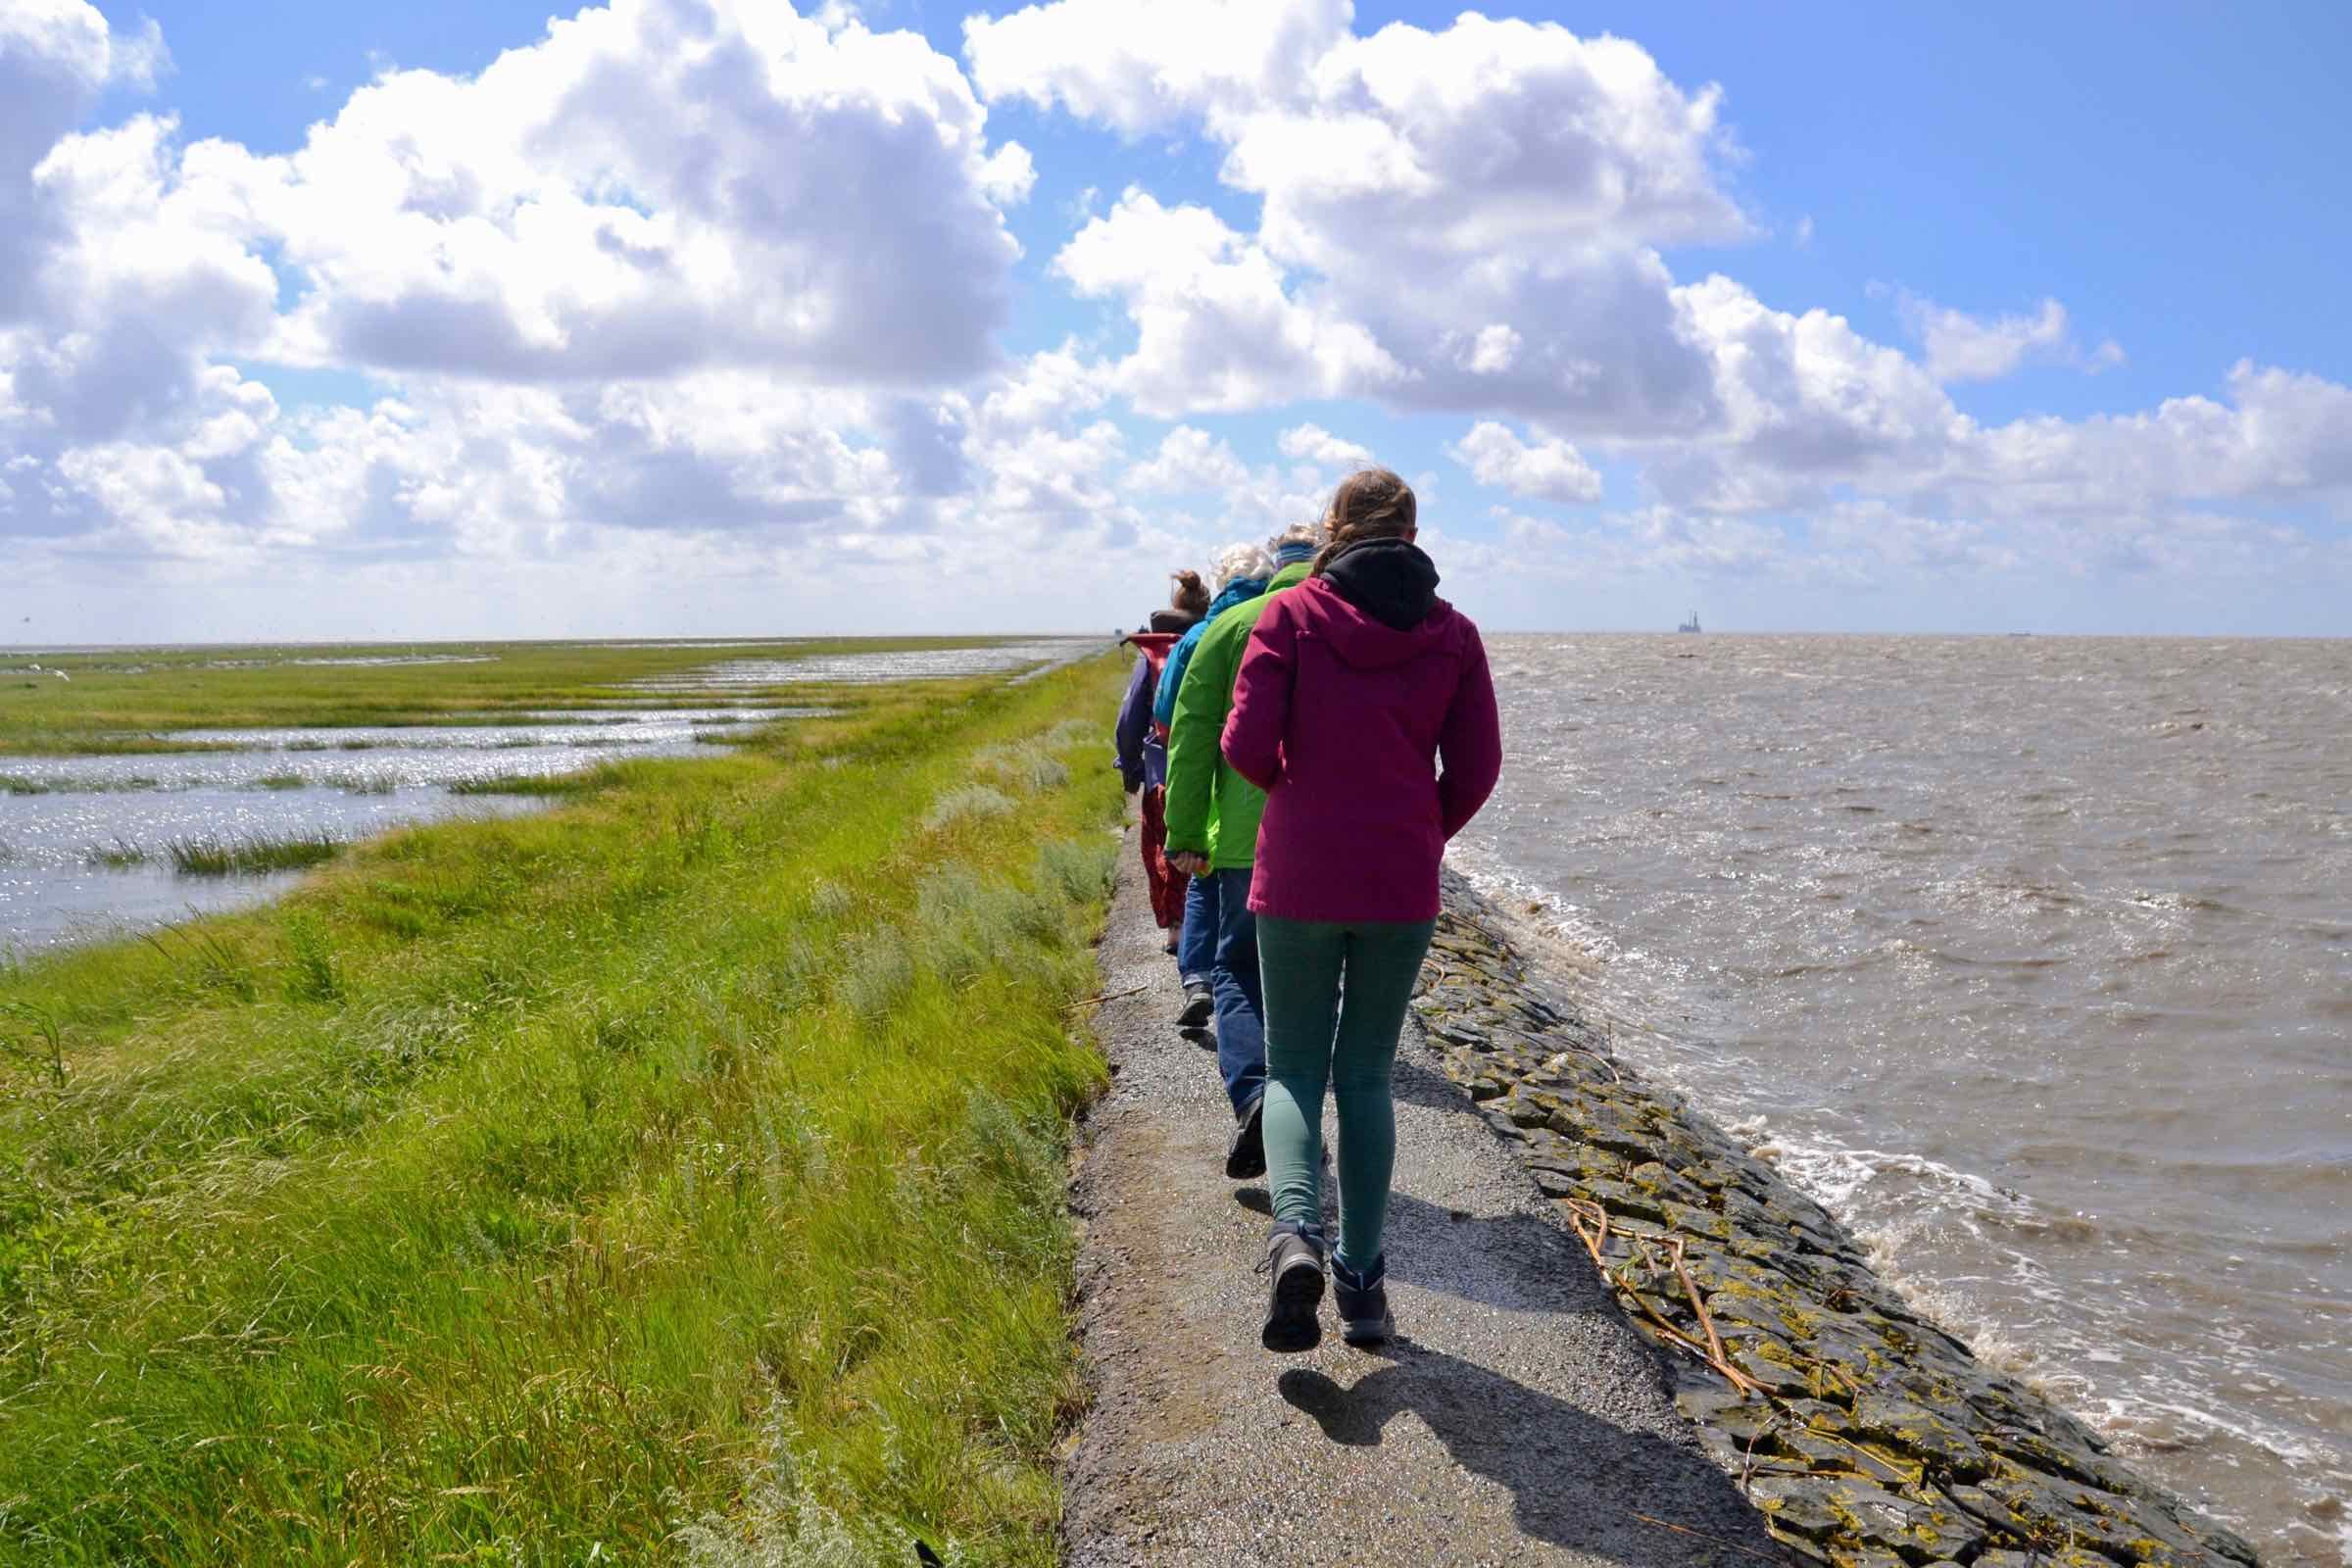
(1191, 595)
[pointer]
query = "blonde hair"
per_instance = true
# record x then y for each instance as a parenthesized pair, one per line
(1369, 504)
(1238, 560)
(1297, 533)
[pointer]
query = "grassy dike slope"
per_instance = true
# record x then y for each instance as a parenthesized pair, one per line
(676, 1176)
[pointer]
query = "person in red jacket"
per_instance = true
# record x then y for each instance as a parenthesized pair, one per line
(1141, 746)
(1365, 710)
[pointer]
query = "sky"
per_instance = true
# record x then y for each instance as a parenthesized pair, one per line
(723, 318)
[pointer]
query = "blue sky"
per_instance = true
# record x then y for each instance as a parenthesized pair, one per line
(1852, 319)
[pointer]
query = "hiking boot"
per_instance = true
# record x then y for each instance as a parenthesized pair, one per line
(1295, 1259)
(1246, 1155)
(1363, 1300)
(1198, 1003)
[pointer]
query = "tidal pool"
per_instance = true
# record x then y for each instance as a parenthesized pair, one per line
(84, 841)
(877, 669)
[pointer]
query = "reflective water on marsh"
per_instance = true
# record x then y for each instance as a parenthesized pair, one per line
(84, 840)
(2032, 958)
(876, 668)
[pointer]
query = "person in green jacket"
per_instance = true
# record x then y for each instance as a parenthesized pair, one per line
(1213, 814)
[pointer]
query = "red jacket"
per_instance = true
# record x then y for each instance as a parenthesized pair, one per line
(1365, 710)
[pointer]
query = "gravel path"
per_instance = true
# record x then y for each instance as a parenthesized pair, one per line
(1517, 1419)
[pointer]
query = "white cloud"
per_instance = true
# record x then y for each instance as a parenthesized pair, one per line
(1312, 443)
(1528, 169)
(607, 303)
(1216, 327)
(1494, 350)
(1960, 347)
(610, 201)
(1148, 65)
(1189, 460)
(1804, 402)
(55, 58)
(1551, 470)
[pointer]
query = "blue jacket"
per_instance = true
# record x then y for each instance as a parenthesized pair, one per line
(1238, 591)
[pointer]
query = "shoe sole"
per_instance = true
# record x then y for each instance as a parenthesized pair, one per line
(1248, 1155)
(1290, 1322)
(1196, 1013)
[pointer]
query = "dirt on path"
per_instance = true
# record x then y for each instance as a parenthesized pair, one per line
(1516, 1419)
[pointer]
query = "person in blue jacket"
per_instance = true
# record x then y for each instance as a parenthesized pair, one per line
(1240, 575)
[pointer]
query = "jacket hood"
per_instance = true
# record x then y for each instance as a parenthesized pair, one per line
(1173, 622)
(1389, 579)
(1238, 591)
(1375, 605)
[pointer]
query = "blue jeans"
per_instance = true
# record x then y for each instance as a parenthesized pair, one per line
(1196, 943)
(1240, 1009)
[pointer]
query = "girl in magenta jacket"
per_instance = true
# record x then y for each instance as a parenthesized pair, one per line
(1363, 707)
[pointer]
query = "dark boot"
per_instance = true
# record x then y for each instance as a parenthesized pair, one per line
(1363, 1300)
(1246, 1155)
(1295, 1259)
(1200, 1001)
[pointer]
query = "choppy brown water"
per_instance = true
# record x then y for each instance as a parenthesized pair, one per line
(2033, 959)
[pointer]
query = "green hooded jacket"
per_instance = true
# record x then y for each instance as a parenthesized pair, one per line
(1212, 810)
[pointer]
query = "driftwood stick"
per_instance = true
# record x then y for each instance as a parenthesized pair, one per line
(1108, 996)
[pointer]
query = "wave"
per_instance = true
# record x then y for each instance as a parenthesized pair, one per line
(1908, 1209)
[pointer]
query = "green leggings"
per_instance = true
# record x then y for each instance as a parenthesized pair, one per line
(1335, 1000)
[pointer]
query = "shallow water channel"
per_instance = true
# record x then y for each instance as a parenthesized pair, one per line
(85, 841)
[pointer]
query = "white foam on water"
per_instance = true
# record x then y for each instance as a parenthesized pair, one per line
(1910, 1210)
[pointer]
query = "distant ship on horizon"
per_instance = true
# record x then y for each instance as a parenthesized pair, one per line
(1692, 625)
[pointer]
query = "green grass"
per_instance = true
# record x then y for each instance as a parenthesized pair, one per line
(580, 783)
(120, 856)
(673, 1176)
(250, 856)
(370, 782)
(22, 784)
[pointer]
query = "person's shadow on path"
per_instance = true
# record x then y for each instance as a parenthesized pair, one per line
(1576, 1480)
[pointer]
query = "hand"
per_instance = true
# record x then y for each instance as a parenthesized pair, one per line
(1190, 863)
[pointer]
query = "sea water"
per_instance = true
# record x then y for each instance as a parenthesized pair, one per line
(2031, 958)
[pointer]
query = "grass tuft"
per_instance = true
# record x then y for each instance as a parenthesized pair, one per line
(379, 781)
(968, 802)
(1029, 767)
(26, 784)
(831, 901)
(120, 856)
(1083, 872)
(216, 857)
(282, 781)
(311, 974)
(875, 973)
(522, 784)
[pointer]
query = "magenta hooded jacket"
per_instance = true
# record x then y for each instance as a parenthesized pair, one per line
(1374, 742)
